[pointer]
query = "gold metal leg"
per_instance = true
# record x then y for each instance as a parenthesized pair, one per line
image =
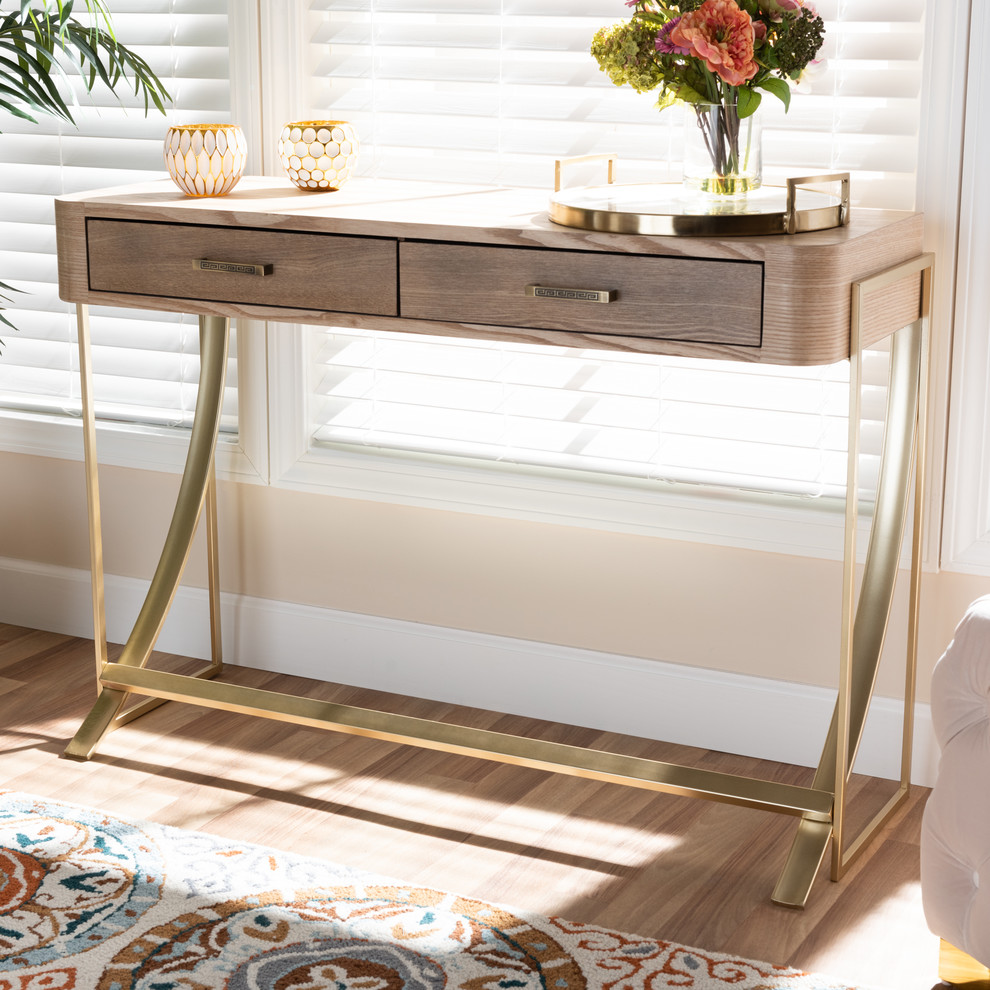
(193, 490)
(215, 666)
(213, 566)
(864, 624)
(821, 807)
(92, 487)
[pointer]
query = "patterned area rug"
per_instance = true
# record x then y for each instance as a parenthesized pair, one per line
(88, 900)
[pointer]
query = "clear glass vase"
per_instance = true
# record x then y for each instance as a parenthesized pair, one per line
(723, 155)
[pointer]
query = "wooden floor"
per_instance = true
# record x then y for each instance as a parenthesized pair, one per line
(655, 865)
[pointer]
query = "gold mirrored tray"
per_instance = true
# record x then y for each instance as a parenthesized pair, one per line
(668, 209)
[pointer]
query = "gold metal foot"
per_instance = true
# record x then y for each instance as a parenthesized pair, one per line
(95, 725)
(803, 863)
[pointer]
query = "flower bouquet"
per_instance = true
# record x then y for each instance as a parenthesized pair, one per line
(718, 56)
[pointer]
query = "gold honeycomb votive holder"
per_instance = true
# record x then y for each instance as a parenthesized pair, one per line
(318, 154)
(205, 159)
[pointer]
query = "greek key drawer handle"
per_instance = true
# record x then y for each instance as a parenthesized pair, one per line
(577, 295)
(232, 267)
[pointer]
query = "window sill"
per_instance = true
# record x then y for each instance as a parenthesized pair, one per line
(769, 523)
(141, 447)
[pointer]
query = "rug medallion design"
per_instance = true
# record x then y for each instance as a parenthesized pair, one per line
(89, 900)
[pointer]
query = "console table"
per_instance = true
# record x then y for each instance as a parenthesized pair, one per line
(488, 262)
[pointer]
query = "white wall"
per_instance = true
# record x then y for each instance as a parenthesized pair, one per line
(702, 645)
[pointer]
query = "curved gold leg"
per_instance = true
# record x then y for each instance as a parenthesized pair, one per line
(193, 490)
(865, 623)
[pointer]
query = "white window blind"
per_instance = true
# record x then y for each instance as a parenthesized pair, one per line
(671, 419)
(145, 364)
(494, 91)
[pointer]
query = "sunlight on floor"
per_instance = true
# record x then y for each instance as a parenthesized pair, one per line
(231, 775)
(520, 824)
(134, 743)
(882, 940)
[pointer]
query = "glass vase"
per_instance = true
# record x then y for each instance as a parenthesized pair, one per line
(723, 156)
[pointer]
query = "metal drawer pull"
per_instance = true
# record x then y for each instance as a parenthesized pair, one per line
(579, 295)
(235, 267)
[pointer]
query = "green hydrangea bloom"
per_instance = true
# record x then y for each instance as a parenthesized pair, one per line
(627, 52)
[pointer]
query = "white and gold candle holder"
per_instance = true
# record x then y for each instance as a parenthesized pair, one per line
(318, 154)
(205, 159)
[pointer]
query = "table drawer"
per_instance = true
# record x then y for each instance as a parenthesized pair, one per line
(324, 272)
(664, 298)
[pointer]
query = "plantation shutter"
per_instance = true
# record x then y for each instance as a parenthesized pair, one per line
(145, 364)
(494, 91)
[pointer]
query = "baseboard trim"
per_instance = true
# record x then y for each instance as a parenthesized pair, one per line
(752, 716)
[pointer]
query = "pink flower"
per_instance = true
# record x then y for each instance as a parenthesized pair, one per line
(722, 35)
(664, 45)
(777, 8)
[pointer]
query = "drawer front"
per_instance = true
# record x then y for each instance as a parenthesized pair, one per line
(664, 298)
(323, 272)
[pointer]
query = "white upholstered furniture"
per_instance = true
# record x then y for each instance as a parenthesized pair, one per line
(955, 842)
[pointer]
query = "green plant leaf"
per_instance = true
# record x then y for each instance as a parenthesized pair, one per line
(747, 101)
(779, 88)
(38, 81)
(32, 39)
(686, 93)
(4, 288)
(15, 110)
(35, 35)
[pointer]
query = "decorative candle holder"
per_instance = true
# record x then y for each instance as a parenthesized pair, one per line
(318, 154)
(205, 159)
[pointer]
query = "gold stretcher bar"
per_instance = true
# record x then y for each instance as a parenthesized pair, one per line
(448, 738)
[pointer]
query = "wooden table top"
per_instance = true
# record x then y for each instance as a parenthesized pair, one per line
(806, 278)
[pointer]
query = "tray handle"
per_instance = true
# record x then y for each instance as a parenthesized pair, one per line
(791, 225)
(561, 163)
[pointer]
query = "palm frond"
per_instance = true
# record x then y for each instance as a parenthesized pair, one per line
(4, 288)
(33, 37)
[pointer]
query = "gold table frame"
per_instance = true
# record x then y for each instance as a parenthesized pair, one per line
(820, 808)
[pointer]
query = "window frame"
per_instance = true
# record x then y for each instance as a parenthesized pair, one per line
(779, 524)
(245, 457)
(966, 540)
(271, 449)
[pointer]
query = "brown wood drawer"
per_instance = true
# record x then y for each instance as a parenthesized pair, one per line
(324, 272)
(665, 298)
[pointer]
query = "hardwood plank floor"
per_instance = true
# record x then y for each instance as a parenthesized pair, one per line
(654, 865)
